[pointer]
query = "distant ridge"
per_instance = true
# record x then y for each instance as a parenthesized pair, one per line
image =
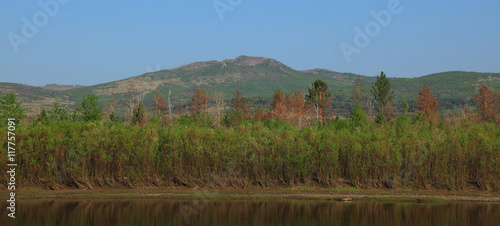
(59, 87)
(257, 77)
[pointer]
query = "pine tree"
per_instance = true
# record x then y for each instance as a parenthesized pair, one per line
(113, 117)
(10, 108)
(380, 118)
(383, 95)
(406, 107)
(319, 98)
(139, 115)
(358, 117)
(90, 109)
(58, 113)
(43, 117)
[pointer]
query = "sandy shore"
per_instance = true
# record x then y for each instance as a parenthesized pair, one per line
(296, 193)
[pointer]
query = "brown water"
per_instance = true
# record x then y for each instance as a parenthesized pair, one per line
(248, 212)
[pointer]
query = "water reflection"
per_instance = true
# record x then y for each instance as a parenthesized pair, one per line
(294, 212)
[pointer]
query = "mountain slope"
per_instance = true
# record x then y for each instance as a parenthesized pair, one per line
(33, 98)
(256, 77)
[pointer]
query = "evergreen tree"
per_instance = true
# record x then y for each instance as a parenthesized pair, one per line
(383, 95)
(358, 117)
(43, 117)
(10, 108)
(319, 98)
(90, 110)
(58, 113)
(139, 115)
(406, 107)
(113, 117)
(380, 118)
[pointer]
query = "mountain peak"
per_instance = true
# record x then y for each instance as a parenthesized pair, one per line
(249, 60)
(59, 87)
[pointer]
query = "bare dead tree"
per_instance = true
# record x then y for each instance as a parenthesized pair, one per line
(219, 104)
(131, 99)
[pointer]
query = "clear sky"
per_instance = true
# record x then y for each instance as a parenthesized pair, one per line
(91, 42)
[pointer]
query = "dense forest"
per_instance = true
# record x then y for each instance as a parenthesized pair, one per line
(298, 140)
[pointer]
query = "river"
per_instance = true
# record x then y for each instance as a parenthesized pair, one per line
(249, 212)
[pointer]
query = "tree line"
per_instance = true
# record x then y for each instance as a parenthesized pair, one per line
(295, 108)
(297, 140)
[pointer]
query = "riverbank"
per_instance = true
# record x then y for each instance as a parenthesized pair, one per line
(294, 193)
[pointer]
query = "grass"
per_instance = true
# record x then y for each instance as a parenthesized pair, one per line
(416, 155)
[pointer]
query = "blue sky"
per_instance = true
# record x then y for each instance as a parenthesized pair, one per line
(91, 42)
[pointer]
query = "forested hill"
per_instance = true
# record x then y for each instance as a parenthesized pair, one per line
(258, 78)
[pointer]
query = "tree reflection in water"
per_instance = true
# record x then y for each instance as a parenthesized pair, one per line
(249, 212)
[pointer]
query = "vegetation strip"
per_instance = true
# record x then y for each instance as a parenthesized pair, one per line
(267, 154)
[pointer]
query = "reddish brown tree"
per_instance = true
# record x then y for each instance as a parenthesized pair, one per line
(261, 115)
(159, 105)
(296, 108)
(426, 101)
(487, 103)
(278, 105)
(198, 103)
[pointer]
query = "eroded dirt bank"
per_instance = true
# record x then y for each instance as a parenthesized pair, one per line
(305, 193)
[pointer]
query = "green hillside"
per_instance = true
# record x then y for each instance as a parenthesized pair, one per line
(257, 77)
(451, 89)
(34, 98)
